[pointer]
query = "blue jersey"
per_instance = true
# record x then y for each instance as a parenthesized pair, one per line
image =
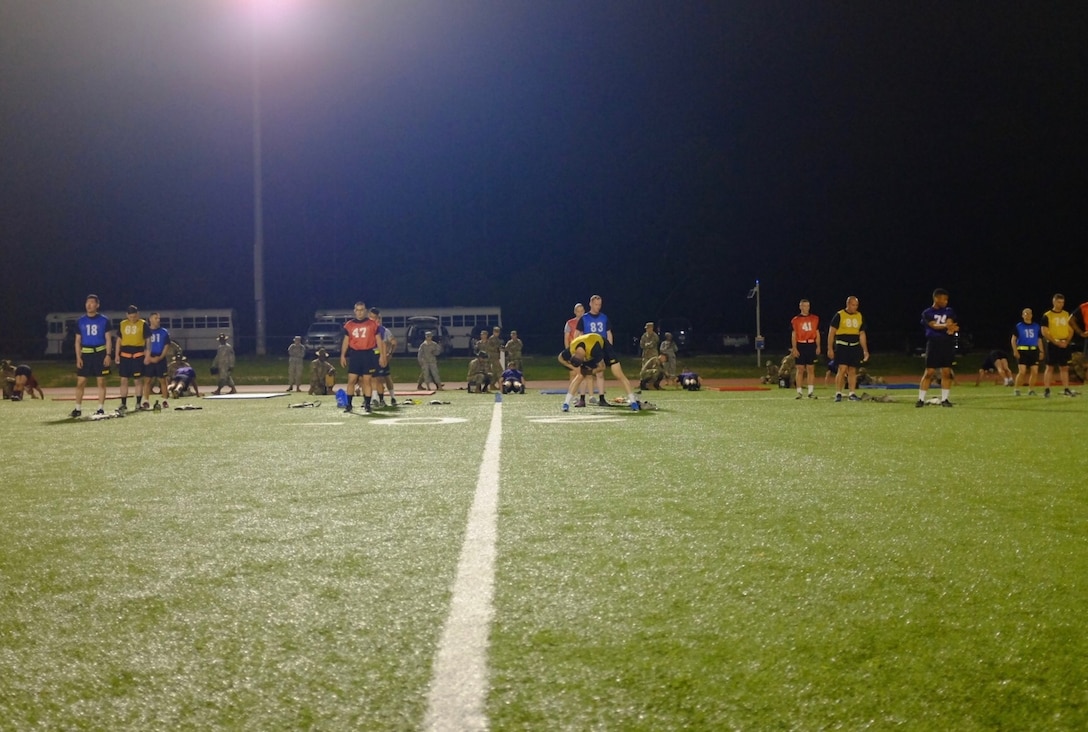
(159, 338)
(185, 373)
(595, 324)
(1027, 335)
(940, 316)
(92, 330)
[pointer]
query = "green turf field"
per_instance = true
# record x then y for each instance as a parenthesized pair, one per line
(733, 560)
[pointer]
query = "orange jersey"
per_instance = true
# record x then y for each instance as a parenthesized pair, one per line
(807, 328)
(362, 334)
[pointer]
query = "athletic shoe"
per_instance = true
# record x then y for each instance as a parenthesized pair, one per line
(947, 403)
(601, 401)
(121, 409)
(75, 414)
(854, 398)
(1046, 393)
(581, 401)
(838, 397)
(165, 405)
(799, 395)
(99, 412)
(919, 404)
(368, 409)
(812, 396)
(566, 407)
(347, 408)
(145, 406)
(1016, 393)
(1031, 392)
(393, 401)
(381, 403)
(232, 391)
(1070, 393)
(635, 406)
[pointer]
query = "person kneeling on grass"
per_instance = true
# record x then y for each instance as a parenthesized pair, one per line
(513, 382)
(582, 356)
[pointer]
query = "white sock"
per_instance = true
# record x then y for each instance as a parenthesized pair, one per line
(810, 388)
(944, 395)
(921, 395)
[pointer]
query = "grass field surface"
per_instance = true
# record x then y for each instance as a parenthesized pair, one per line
(729, 561)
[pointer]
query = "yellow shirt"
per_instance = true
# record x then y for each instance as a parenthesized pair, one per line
(133, 334)
(1058, 325)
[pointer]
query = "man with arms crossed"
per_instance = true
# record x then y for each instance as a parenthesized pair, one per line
(940, 324)
(847, 346)
(805, 346)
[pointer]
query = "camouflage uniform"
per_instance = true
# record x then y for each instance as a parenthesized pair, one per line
(296, 352)
(224, 361)
(493, 347)
(653, 371)
(320, 371)
(649, 343)
(479, 373)
(427, 355)
(668, 347)
(7, 373)
(513, 351)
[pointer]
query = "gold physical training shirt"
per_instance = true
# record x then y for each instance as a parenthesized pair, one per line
(1058, 325)
(133, 334)
(849, 324)
(589, 340)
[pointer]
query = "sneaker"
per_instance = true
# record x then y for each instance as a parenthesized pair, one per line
(601, 401)
(566, 407)
(1069, 393)
(947, 403)
(347, 408)
(854, 398)
(232, 391)
(635, 406)
(581, 401)
(393, 401)
(919, 404)
(368, 409)
(1046, 393)
(381, 403)
(799, 395)
(75, 414)
(838, 397)
(1031, 392)
(812, 396)
(145, 406)
(100, 412)
(419, 387)
(120, 410)
(165, 404)
(1016, 392)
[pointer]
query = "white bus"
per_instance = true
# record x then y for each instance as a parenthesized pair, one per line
(462, 324)
(195, 330)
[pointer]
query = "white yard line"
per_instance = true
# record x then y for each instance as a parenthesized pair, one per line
(458, 692)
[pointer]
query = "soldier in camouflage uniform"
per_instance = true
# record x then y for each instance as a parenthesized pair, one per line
(653, 371)
(322, 374)
(224, 365)
(668, 347)
(296, 352)
(493, 347)
(427, 355)
(479, 373)
(513, 351)
(649, 342)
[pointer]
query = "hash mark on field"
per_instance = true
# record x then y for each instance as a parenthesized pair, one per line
(459, 683)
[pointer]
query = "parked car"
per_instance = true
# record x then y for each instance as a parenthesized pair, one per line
(417, 329)
(327, 334)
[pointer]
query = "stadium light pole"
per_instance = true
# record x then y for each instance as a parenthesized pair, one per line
(258, 187)
(754, 292)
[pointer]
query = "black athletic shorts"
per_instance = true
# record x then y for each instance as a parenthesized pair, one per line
(362, 363)
(1028, 356)
(1056, 355)
(848, 354)
(806, 354)
(93, 365)
(155, 369)
(940, 353)
(131, 363)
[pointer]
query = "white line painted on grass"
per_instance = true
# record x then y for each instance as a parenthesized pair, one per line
(458, 690)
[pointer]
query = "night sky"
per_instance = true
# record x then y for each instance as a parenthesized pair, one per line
(528, 154)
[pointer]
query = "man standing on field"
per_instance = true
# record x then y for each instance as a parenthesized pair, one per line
(941, 327)
(94, 341)
(361, 352)
(848, 347)
(805, 346)
(1057, 332)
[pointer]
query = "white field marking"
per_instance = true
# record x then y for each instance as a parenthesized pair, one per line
(421, 420)
(573, 418)
(316, 424)
(458, 690)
